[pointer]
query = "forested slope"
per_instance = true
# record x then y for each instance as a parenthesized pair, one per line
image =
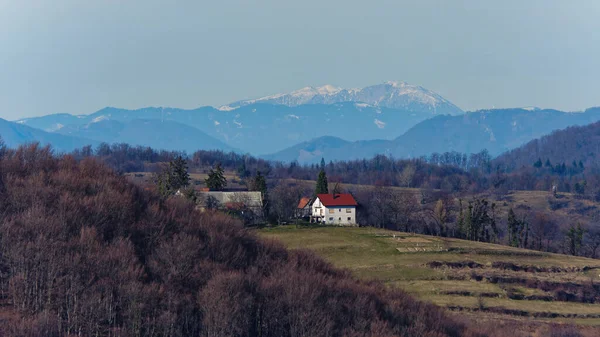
(84, 252)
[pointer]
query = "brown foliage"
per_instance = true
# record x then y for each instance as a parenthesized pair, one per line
(83, 252)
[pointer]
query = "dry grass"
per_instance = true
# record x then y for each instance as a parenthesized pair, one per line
(373, 254)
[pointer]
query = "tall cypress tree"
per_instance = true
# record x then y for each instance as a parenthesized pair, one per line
(322, 185)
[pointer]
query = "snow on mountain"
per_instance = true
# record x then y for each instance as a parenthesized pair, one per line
(392, 94)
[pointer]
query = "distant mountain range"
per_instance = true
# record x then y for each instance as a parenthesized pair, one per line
(495, 130)
(14, 134)
(273, 123)
(393, 118)
(167, 135)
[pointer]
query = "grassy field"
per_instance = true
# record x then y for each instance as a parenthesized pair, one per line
(437, 270)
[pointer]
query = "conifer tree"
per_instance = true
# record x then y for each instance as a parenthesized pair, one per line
(322, 185)
(178, 173)
(511, 223)
(216, 180)
(259, 183)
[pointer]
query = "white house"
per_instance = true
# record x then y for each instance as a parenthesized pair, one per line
(334, 209)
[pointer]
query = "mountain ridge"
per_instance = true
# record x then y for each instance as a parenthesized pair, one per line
(497, 131)
(391, 94)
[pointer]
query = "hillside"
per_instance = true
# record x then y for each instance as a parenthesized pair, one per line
(486, 282)
(577, 143)
(15, 134)
(494, 130)
(84, 252)
(257, 128)
(165, 135)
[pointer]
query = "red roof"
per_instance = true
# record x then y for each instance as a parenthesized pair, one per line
(343, 199)
(303, 202)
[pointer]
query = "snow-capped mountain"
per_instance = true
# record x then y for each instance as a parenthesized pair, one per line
(395, 95)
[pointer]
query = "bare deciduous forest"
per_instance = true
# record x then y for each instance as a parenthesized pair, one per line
(84, 252)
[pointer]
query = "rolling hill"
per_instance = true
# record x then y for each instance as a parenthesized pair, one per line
(15, 134)
(497, 131)
(258, 128)
(165, 135)
(576, 143)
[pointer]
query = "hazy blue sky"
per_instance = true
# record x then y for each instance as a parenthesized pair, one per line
(78, 56)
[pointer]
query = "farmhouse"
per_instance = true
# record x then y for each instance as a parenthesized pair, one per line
(334, 209)
(303, 209)
(235, 199)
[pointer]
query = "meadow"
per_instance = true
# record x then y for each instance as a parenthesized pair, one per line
(479, 280)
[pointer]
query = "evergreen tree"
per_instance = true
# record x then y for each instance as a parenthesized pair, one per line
(178, 174)
(322, 185)
(259, 183)
(322, 163)
(243, 171)
(216, 180)
(538, 163)
(575, 239)
(513, 228)
(162, 183)
(469, 222)
(548, 163)
(172, 177)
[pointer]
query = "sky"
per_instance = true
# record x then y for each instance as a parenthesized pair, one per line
(73, 56)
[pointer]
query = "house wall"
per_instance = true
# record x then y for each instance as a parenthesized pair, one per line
(338, 215)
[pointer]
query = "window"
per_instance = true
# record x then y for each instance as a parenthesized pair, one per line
(331, 211)
(340, 210)
(348, 210)
(349, 219)
(330, 219)
(339, 219)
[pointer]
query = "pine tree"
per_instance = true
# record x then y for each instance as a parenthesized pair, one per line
(322, 164)
(216, 180)
(575, 239)
(259, 183)
(538, 163)
(242, 170)
(163, 179)
(469, 222)
(178, 174)
(322, 185)
(511, 224)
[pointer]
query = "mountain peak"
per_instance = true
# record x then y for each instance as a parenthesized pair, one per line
(390, 94)
(396, 84)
